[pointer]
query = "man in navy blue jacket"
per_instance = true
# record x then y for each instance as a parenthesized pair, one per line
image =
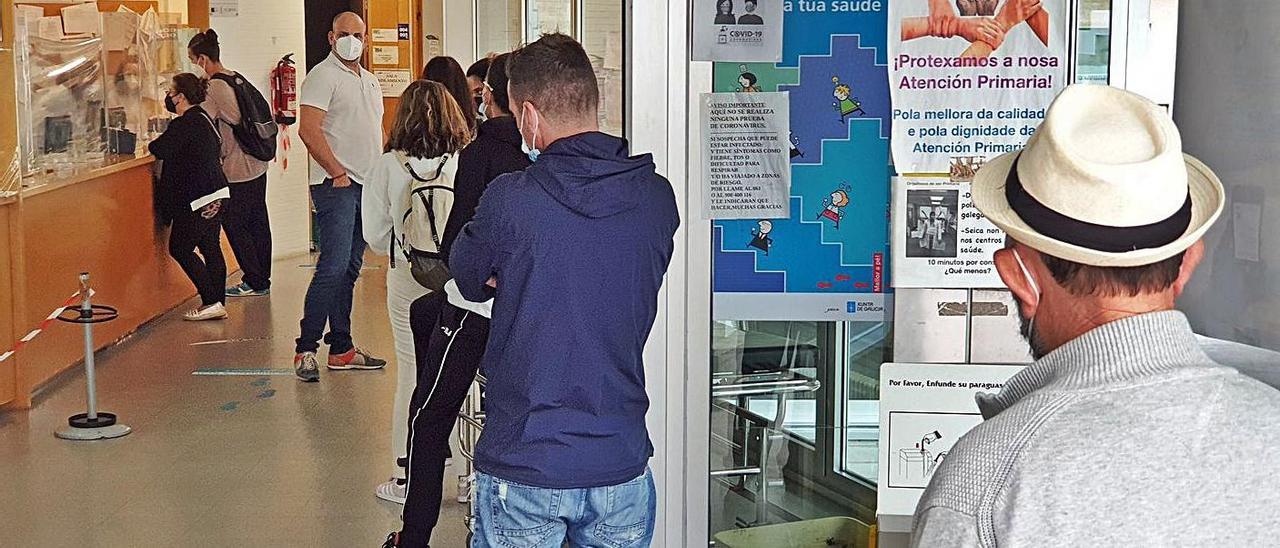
(573, 250)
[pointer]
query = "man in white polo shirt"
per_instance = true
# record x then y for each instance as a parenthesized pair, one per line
(341, 125)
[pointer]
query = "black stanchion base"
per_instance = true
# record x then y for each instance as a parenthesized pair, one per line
(82, 420)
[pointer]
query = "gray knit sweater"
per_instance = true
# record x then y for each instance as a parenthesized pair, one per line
(1127, 436)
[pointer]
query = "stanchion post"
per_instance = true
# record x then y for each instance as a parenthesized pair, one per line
(90, 382)
(91, 425)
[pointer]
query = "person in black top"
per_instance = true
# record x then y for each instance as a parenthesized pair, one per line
(450, 334)
(191, 192)
(750, 18)
(476, 75)
(724, 13)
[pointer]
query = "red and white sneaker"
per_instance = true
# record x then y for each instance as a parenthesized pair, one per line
(355, 359)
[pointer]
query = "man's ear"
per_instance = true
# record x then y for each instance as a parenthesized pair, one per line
(1190, 260)
(1016, 281)
(333, 40)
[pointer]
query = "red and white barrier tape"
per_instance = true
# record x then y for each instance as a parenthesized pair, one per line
(70, 302)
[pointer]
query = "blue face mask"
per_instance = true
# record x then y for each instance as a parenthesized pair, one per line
(530, 150)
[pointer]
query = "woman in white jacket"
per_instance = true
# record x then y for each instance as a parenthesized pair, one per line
(428, 133)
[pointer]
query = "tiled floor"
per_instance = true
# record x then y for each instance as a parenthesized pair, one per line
(215, 461)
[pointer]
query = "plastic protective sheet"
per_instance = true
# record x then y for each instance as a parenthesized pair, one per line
(61, 104)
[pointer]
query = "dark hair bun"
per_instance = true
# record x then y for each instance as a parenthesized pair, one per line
(211, 35)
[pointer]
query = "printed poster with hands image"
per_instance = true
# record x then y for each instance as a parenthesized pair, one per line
(971, 79)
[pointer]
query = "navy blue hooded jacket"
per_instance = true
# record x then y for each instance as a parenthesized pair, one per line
(579, 243)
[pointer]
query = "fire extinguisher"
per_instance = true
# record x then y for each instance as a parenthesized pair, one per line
(284, 99)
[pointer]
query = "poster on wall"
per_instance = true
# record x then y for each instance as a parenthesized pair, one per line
(738, 30)
(746, 167)
(924, 409)
(971, 80)
(940, 240)
(827, 259)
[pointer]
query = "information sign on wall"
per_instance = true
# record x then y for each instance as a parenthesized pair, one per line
(971, 80)
(924, 410)
(827, 260)
(746, 170)
(742, 31)
(393, 81)
(940, 240)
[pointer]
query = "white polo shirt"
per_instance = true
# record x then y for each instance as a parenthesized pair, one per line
(352, 102)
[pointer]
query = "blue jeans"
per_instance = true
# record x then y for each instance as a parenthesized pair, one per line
(510, 515)
(341, 256)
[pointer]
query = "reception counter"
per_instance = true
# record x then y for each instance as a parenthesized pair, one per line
(101, 222)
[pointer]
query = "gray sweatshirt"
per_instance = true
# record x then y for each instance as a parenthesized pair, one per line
(1126, 436)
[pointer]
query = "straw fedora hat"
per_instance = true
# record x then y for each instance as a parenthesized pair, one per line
(1103, 182)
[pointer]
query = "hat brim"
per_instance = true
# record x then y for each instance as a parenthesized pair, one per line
(1207, 200)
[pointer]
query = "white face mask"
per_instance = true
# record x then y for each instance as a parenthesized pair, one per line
(530, 150)
(1029, 325)
(349, 48)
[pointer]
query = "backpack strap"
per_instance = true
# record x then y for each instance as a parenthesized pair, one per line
(428, 200)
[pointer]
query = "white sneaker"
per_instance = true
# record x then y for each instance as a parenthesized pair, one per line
(214, 311)
(464, 489)
(393, 490)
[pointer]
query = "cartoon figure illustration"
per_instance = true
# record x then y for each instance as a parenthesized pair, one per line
(834, 206)
(845, 102)
(795, 145)
(723, 37)
(747, 81)
(760, 237)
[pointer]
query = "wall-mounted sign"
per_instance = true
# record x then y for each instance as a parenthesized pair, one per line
(725, 30)
(224, 8)
(403, 31)
(827, 260)
(940, 240)
(746, 170)
(924, 409)
(393, 81)
(386, 55)
(976, 85)
(386, 35)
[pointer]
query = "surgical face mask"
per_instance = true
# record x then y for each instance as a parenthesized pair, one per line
(482, 108)
(1028, 327)
(530, 149)
(349, 48)
(169, 105)
(198, 70)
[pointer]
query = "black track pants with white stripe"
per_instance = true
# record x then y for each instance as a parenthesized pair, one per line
(454, 346)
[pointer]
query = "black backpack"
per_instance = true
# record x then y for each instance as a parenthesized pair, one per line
(257, 129)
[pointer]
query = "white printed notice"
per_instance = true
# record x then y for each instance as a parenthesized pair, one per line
(940, 240)
(737, 30)
(393, 81)
(971, 80)
(746, 155)
(924, 410)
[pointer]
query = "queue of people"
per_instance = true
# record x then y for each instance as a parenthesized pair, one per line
(527, 245)
(508, 219)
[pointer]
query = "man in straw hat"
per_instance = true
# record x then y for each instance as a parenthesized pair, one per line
(1123, 433)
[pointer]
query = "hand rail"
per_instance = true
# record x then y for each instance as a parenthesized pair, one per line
(766, 388)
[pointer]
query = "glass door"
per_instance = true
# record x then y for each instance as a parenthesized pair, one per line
(793, 422)
(1093, 42)
(498, 26)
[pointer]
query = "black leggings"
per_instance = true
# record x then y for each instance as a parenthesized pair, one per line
(191, 231)
(450, 344)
